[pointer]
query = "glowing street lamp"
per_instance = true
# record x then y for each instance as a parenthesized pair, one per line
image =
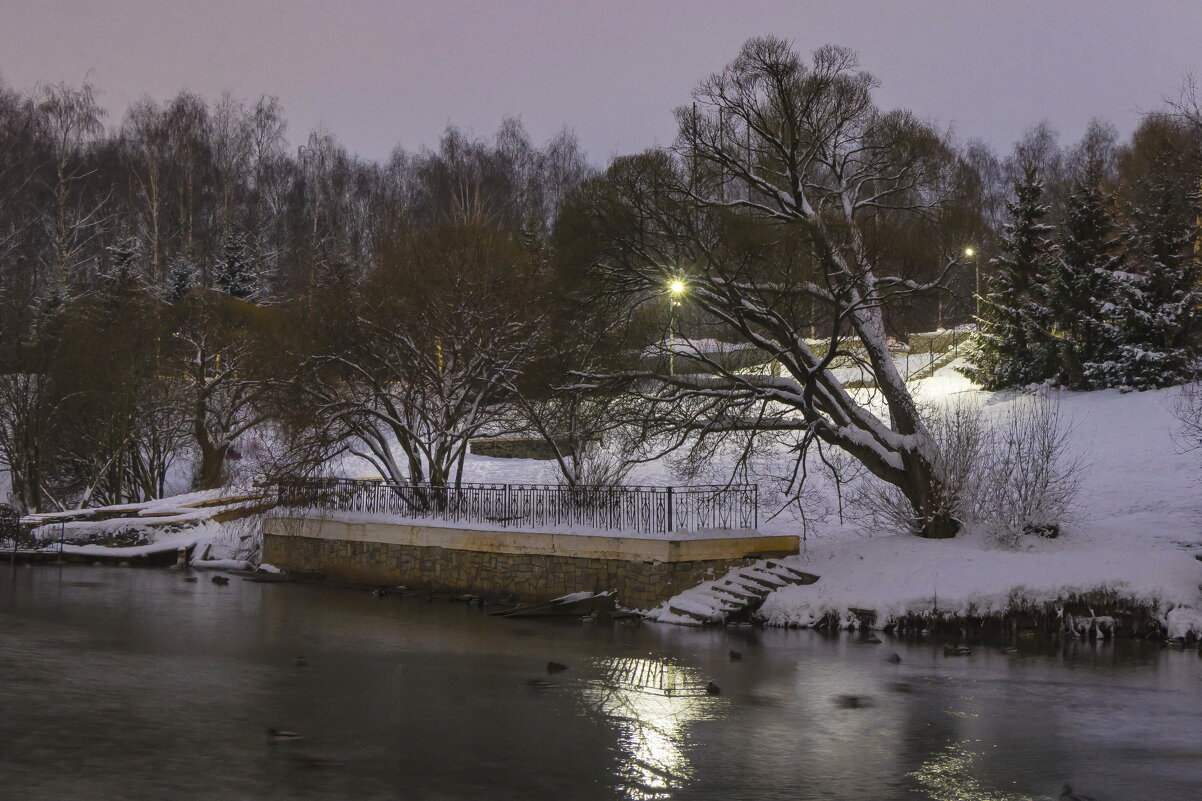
(971, 253)
(676, 289)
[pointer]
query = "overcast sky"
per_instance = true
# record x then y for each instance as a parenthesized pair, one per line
(379, 73)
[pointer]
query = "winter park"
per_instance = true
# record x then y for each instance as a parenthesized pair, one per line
(601, 401)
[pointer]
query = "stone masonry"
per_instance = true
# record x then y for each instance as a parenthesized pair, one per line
(332, 551)
(525, 577)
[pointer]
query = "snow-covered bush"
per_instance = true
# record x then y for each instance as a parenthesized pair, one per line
(239, 540)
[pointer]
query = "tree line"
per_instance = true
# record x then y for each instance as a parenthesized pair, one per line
(175, 283)
(1097, 280)
(183, 283)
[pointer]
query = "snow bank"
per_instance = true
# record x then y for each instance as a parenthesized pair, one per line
(1133, 534)
(1183, 622)
(902, 574)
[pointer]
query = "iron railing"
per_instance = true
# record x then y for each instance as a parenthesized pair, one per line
(651, 510)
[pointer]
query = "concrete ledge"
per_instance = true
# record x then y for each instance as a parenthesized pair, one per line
(728, 545)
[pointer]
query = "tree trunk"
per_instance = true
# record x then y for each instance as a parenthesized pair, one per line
(934, 516)
(210, 470)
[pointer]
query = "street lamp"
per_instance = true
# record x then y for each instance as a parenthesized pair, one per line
(676, 290)
(971, 253)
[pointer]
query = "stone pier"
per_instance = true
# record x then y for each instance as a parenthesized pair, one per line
(527, 566)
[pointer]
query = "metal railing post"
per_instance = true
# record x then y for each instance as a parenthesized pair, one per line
(671, 527)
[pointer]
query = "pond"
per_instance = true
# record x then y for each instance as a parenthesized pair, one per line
(120, 683)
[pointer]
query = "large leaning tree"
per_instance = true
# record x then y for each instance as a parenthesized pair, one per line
(799, 217)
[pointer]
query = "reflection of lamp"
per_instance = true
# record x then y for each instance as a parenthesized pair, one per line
(950, 774)
(651, 701)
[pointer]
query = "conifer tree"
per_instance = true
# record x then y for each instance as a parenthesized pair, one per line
(121, 272)
(1160, 297)
(234, 274)
(1084, 286)
(1013, 347)
(181, 278)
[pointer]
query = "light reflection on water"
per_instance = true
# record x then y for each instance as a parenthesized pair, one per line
(949, 775)
(133, 684)
(652, 702)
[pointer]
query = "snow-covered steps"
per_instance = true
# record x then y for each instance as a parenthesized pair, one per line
(739, 592)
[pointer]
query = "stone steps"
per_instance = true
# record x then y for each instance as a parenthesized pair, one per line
(739, 591)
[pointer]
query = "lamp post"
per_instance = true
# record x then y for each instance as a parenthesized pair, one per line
(676, 289)
(970, 252)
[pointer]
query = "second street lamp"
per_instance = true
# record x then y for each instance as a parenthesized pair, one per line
(971, 253)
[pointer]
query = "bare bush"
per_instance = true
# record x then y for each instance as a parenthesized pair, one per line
(240, 539)
(960, 435)
(1008, 477)
(595, 466)
(1029, 477)
(1188, 411)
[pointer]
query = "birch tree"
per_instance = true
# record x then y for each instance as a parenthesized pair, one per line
(72, 122)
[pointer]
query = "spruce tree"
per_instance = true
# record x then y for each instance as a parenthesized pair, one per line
(1160, 296)
(181, 278)
(1013, 347)
(234, 274)
(1084, 286)
(120, 274)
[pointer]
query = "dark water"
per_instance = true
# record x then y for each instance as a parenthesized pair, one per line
(133, 684)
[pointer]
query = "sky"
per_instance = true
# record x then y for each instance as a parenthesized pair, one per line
(383, 73)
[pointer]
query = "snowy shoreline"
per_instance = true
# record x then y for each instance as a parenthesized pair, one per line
(1131, 544)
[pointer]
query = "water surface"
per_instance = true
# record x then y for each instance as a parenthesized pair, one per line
(135, 684)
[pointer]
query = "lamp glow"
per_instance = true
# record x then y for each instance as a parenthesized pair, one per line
(969, 252)
(676, 287)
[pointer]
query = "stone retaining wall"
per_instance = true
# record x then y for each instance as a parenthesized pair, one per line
(361, 553)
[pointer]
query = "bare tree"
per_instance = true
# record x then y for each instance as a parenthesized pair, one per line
(1187, 106)
(224, 392)
(28, 406)
(436, 343)
(1187, 408)
(792, 204)
(71, 119)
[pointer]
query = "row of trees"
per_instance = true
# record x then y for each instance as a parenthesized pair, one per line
(181, 287)
(175, 286)
(1098, 284)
